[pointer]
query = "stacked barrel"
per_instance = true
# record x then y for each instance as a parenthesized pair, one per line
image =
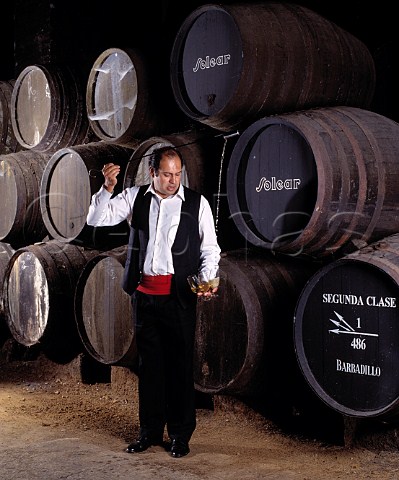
(346, 331)
(268, 104)
(313, 175)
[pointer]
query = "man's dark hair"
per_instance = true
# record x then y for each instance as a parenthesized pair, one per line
(157, 154)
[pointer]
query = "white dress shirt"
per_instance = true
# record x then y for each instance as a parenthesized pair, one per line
(164, 220)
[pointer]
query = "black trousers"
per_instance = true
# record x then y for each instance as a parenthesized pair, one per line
(165, 342)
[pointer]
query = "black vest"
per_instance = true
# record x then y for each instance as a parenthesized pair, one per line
(185, 248)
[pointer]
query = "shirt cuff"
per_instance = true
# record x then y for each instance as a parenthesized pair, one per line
(104, 189)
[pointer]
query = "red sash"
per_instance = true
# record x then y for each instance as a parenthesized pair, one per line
(155, 284)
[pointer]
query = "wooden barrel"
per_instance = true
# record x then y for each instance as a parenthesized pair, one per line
(204, 170)
(39, 288)
(346, 331)
(6, 252)
(103, 311)
(124, 103)
(201, 153)
(48, 110)
(71, 177)
(317, 181)
(233, 64)
(21, 220)
(8, 141)
(244, 341)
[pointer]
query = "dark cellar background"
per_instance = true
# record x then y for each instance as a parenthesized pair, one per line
(77, 31)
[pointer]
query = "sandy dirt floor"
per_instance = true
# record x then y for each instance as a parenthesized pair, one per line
(41, 402)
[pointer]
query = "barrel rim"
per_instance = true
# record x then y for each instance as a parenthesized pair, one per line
(52, 77)
(6, 310)
(140, 124)
(129, 355)
(66, 124)
(246, 373)
(299, 348)
(227, 117)
(87, 152)
(27, 167)
(178, 140)
(44, 193)
(237, 207)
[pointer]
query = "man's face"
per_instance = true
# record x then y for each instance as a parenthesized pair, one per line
(167, 179)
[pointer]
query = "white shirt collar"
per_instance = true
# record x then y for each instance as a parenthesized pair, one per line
(180, 191)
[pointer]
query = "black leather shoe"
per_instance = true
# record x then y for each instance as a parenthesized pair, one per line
(179, 448)
(141, 444)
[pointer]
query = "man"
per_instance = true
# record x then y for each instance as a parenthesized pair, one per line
(172, 236)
